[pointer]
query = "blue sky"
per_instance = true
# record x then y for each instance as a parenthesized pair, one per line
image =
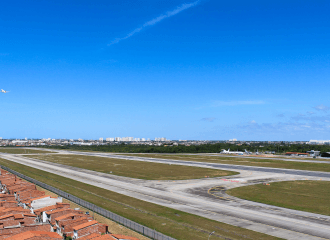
(208, 69)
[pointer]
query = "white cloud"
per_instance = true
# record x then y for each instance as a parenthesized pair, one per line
(321, 107)
(157, 20)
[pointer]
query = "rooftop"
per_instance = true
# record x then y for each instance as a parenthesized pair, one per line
(84, 225)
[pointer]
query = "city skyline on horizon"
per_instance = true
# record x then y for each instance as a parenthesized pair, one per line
(200, 70)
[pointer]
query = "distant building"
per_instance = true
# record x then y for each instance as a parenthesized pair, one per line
(313, 153)
(296, 154)
(101, 139)
(117, 139)
(319, 142)
(109, 139)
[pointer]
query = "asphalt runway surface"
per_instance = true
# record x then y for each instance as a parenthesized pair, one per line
(201, 197)
(292, 159)
(222, 166)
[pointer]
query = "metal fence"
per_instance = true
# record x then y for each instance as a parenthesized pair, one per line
(114, 217)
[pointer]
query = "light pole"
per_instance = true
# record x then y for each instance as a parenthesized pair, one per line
(210, 235)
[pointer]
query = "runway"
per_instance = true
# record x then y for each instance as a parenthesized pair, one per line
(206, 165)
(194, 196)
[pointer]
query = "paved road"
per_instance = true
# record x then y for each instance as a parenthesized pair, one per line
(191, 196)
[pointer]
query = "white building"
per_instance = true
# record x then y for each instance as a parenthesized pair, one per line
(162, 139)
(319, 141)
(118, 139)
(44, 201)
(101, 139)
(109, 139)
(313, 153)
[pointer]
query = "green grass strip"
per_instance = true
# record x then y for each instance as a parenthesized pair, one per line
(308, 196)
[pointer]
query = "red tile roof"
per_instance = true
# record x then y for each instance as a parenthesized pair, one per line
(84, 225)
(45, 196)
(31, 234)
(65, 216)
(17, 216)
(97, 236)
(53, 207)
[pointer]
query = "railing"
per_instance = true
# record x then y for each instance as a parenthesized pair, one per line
(114, 217)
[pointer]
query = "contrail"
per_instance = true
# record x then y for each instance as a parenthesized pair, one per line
(157, 20)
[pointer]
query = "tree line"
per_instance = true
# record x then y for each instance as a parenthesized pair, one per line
(203, 148)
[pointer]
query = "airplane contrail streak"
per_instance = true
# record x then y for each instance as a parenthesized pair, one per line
(157, 20)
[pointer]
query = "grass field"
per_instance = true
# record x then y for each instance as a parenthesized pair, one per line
(21, 151)
(309, 196)
(134, 169)
(325, 167)
(177, 224)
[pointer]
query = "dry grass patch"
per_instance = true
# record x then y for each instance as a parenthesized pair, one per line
(309, 196)
(260, 162)
(21, 151)
(134, 169)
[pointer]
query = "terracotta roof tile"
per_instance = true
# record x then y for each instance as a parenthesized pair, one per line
(18, 216)
(30, 234)
(105, 237)
(63, 209)
(65, 216)
(45, 196)
(81, 226)
(90, 236)
(45, 209)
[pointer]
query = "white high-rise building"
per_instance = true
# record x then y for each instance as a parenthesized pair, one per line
(101, 139)
(109, 139)
(117, 139)
(143, 139)
(162, 139)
